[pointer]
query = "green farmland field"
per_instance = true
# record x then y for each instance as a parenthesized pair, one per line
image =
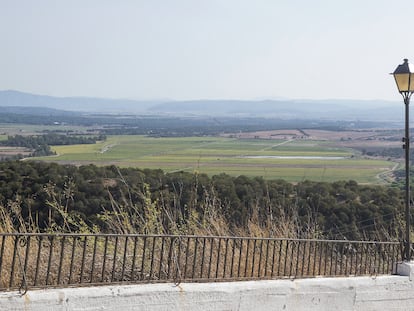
(292, 160)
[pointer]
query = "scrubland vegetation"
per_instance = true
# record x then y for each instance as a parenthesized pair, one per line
(43, 197)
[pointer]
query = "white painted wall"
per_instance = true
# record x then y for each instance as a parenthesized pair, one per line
(353, 293)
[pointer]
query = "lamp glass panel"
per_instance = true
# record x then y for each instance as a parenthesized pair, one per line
(402, 81)
(411, 87)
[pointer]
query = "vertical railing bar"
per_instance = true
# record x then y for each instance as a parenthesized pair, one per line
(336, 259)
(211, 255)
(351, 259)
(315, 255)
(349, 250)
(225, 257)
(186, 257)
(350, 255)
(95, 242)
(134, 258)
(387, 259)
(393, 257)
(285, 258)
(279, 264)
(104, 258)
(259, 270)
(356, 259)
(83, 258)
(370, 258)
(49, 263)
(161, 257)
(62, 248)
(325, 273)
(178, 265)
(254, 257)
(152, 258)
(303, 258)
(320, 252)
(202, 258)
(345, 256)
(218, 257)
(114, 259)
(273, 259)
(381, 262)
(195, 258)
(390, 269)
(16, 238)
(267, 258)
(187, 249)
(357, 255)
(362, 259)
(124, 258)
(341, 264)
(366, 259)
(240, 258)
(388, 248)
(3, 239)
(247, 257)
(375, 272)
(309, 258)
(232, 257)
(144, 248)
(331, 259)
(72, 258)
(297, 259)
(26, 260)
(172, 240)
(292, 261)
(363, 255)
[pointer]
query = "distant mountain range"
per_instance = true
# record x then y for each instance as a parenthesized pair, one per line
(81, 104)
(334, 109)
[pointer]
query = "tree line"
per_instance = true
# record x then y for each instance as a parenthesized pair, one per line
(47, 193)
(40, 144)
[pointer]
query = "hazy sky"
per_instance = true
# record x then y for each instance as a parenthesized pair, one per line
(192, 49)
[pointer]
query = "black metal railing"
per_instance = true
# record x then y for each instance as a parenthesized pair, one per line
(58, 260)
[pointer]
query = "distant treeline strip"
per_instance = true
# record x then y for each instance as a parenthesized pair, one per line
(40, 144)
(33, 141)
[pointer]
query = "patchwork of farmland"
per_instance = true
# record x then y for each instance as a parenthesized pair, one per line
(283, 157)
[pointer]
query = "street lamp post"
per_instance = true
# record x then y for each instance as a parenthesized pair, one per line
(404, 77)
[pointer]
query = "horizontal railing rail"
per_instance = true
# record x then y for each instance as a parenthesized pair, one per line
(59, 260)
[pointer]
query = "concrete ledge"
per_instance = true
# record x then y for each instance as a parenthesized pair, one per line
(406, 268)
(353, 293)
